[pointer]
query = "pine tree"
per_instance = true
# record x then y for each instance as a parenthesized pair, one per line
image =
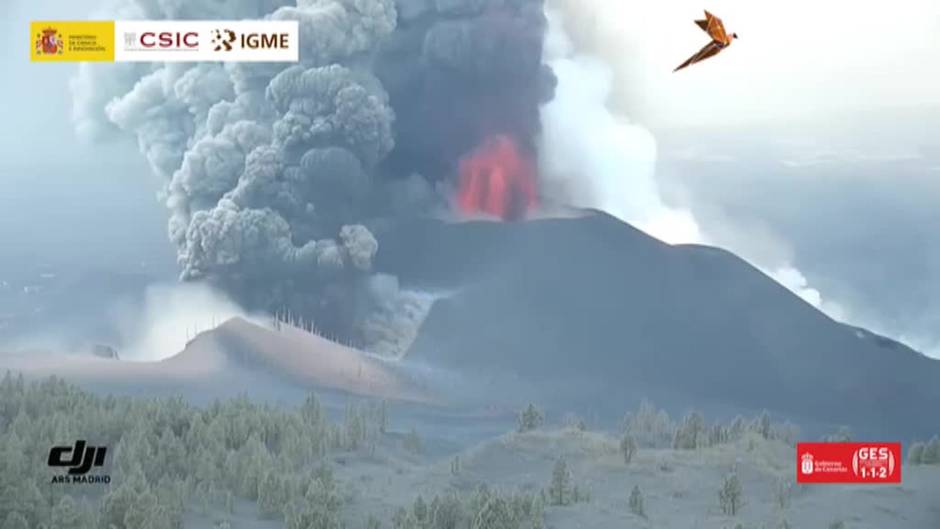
(636, 502)
(270, 499)
(931, 455)
(690, 434)
(15, 520)
(143, 512)
(763, 425)
(412, 442)
(383, 417)
(628, 448)
(446, 512)
(915, 454)
(495, 514)
(538, 513)
(530, 419)
(420, 510)
(731, 496)
(560, 487)
(311, 411)
(118, 501)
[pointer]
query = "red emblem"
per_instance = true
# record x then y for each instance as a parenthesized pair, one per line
(49, 42)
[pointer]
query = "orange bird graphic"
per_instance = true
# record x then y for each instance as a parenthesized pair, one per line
(720, 40)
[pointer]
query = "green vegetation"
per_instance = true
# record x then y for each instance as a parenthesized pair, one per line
(842, 435)
(559, 490)
(691, 433)
(731, 495)
(412, 442)
(653, 428)
(636, 502)
(925, 453)
(530, 419)
(167, 457)
(628, 448)
(483, 509)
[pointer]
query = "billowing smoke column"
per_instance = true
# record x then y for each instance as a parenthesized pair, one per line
(276, 172)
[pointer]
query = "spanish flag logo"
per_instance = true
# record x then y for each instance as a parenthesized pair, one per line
(72, 41)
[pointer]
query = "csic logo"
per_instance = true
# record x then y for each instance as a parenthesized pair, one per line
(161, 41)
(79, 460)
(222, 39)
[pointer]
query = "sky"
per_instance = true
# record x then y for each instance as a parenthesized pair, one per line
(811, 147)
(63, 199)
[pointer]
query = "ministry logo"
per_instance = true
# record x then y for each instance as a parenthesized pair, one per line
(79, 460)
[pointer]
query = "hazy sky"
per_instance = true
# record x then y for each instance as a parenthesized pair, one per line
(799, 59)
(812, 142)
(62, 199)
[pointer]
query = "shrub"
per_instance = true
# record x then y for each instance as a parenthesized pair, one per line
(560, 488)
(628, 448)
(412, 442)
(691, 433)
(636, 502)
(731, 495)
(915, 454)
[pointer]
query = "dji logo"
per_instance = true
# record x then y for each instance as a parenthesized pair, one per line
(82, 458)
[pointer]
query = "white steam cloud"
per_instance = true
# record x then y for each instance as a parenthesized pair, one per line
(593, 155)
(170, 316)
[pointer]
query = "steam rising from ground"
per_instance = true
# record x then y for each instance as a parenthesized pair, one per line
(170, 316)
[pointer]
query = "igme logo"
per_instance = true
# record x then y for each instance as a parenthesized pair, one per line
(223, 39)
(79, 459)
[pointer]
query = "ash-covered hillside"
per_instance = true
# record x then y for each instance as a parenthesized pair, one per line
(596, 311)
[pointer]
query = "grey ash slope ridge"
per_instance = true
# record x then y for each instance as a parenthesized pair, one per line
(596, 300)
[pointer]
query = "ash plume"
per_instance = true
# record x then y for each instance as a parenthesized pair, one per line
(276, 174)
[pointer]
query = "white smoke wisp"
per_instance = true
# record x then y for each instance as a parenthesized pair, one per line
(172, 315)
(592, 156)
(393, 326)
(797, 283)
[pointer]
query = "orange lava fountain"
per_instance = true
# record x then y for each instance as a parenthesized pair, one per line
(497, 180)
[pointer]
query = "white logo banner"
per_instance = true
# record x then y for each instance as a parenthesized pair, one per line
(206, 40)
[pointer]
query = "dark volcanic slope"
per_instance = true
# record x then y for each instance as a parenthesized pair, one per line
(596, 299)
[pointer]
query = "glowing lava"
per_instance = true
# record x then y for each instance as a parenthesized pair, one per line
(496, 179)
